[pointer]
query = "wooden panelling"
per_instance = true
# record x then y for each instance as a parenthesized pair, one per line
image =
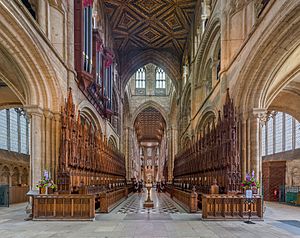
(187, 199)
(64, 207)
(223, 207)
(273, 173)
(17, 194)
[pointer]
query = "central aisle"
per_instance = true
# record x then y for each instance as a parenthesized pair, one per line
(163, 204)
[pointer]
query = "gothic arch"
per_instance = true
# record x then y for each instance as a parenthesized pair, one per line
(147, 104)
(90, 112)
(162, 59)
(29, 74)
(208, 115)
(209, 42)
(268, 70)
(112, 142)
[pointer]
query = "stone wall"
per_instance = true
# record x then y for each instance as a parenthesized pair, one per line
(14, 168)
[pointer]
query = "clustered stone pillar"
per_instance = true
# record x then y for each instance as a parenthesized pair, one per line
(36, 145)
(251, 142)
(172, 151)
(44, 146)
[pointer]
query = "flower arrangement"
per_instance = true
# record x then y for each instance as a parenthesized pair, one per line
(250, 182)
(46, 182)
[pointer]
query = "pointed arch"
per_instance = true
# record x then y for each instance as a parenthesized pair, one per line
(147, 104)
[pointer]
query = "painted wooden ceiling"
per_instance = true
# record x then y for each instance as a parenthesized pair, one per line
(149, 125)
(155, 24)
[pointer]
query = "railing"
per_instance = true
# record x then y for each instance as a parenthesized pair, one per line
(63, 207)
(292, 195)
(187, 199)
(222, 207)
(110, 199)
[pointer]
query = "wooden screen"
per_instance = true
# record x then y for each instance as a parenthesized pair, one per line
(86, 160)
(213, 155)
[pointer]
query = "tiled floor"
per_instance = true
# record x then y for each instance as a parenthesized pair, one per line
(162, 204)
(131, 220)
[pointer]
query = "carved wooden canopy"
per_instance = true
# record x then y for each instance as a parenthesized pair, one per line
(149, 125)
(157, 24)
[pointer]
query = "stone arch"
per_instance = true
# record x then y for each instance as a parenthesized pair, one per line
(207, 77)
(24, 176)
(90, 112)
(33, 80)
(208, 115)
(186, 142)
(15, 177)
(5, 175)
(209, 40)
(164, 60)
(112, 142)
(147, 104)
(268, 70)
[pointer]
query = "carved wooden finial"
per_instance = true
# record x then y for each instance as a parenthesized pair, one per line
(70, 97)
(219, 117)
(79, 119)
(227, 96)
(213, 125)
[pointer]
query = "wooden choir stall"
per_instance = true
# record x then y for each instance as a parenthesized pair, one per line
(213, 156)
(90, 177)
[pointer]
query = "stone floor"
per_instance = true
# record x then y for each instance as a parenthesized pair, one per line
(166, 220)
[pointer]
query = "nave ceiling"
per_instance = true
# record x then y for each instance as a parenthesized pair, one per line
(159, 25)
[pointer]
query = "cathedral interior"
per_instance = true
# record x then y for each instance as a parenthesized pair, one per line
(149, 118)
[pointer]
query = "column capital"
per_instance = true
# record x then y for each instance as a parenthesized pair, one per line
(34, 110)
(48, 114)
(263, 114)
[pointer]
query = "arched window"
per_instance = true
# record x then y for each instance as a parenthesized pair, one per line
(14, 130)
(160, 78)
(281, 133)
(140, 78)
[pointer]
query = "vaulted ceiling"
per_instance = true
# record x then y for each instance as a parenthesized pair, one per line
(139, 25)
(149, 125)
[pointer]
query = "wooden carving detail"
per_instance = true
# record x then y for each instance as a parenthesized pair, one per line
(85, 157)
(215, 154)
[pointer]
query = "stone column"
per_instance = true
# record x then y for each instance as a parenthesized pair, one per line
(36, 145)
(55, 144)
(251, 159)
(48, 133)
(172, 151)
